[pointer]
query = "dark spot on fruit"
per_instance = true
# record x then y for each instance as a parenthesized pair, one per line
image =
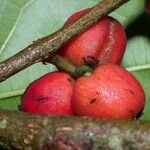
(130, 91)
(139, 114)
(90, 61)
(40, 99)
(93, 101)
(70, 79)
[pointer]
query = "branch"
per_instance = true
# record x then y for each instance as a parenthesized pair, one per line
(42, 48)
(44, 132)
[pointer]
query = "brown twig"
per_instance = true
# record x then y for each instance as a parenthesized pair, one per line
(42, 48)
(45, 132)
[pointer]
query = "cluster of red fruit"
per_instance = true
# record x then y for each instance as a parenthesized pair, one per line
(109, 92)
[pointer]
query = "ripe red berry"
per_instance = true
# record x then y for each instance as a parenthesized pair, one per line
(104, 41)
(51, 94)
(111, 92)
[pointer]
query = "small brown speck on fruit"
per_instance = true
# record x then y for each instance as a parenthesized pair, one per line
(93, 100)
(70, 79)
(130, 91)
(42, 99)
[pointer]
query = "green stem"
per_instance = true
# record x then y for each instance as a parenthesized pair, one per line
(72, 69)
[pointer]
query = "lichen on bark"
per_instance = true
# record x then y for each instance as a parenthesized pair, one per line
(29, 131)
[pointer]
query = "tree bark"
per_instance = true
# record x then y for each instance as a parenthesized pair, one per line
(42, 48)
(45, 132)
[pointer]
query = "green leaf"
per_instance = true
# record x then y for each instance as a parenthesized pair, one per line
(9, 14)
(143, 76)
(24, 21)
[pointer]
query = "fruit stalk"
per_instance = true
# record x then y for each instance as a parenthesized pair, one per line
(28, 131)
(70, 68)
(42, 48)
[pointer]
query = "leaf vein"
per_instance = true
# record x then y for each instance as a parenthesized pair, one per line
(14, 26)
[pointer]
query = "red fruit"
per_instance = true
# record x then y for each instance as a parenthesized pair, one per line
(51, 94)
(104, 41)
(111, 92)
(147, 6)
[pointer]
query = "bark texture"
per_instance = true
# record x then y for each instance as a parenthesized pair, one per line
(45, 132)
